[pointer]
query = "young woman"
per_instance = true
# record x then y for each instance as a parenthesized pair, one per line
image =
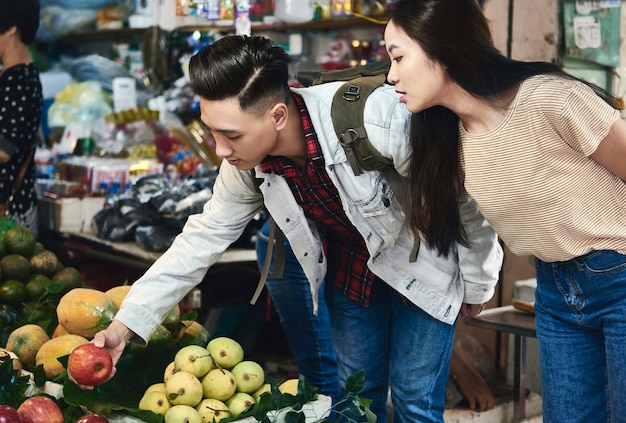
(544, 156)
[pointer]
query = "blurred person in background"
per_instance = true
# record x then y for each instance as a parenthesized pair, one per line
(21, 103)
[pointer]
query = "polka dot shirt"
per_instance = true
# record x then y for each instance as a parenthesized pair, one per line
(21, 103)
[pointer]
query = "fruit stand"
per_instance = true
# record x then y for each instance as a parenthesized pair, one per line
(48, 316)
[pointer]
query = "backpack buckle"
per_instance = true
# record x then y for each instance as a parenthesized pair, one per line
(352, 93)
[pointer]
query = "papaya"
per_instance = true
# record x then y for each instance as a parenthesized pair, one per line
(118, 293)
(25, 341)
(55, 348)
(85, 311)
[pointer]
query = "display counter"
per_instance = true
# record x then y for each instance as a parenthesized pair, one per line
(230, 282)
(126, 253)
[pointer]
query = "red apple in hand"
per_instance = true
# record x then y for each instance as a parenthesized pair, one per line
(9, 415)
(89, 365)
(92, 418)
(40, 409)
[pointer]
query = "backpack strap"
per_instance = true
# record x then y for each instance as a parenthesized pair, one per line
(275, 236)
(279, 259)
(347, 113)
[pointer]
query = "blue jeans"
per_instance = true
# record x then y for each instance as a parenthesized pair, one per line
(308, 335)
(399, 346)
(581, 327)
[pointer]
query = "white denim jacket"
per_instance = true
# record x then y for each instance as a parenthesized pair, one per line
(437, 285)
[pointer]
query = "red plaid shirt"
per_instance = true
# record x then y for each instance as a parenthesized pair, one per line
(315, 193)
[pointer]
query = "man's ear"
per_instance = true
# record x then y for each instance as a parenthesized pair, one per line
(279, 113)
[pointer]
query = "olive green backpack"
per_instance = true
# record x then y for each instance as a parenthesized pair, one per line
(347, 116)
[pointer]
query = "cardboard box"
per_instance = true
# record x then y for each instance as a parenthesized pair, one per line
(69, 214)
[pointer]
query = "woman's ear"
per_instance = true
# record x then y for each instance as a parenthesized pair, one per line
(11, 31)
(279, 114)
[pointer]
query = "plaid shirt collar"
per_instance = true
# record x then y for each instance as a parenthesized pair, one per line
(281, 165)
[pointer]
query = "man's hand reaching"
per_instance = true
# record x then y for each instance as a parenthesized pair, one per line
(113, 339)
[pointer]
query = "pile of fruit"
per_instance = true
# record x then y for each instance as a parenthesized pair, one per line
(32, 280)
(47, 318)
(46, 311)
(210, 384)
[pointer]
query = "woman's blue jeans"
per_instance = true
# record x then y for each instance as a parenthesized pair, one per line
(308, 335)
(581, 327)
(399, 346)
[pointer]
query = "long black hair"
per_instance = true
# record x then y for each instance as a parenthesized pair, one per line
(252, 69)
(454, 33)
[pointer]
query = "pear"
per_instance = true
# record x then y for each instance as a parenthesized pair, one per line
(226, 352)
(193, 359)
(263, 389)
(290, 386)
(212, 410)
(239, 403)
(183, 414)
(183, 388)
(170, 369)
(249, 376)
(158, 387)
(155, 401)
(219, 384)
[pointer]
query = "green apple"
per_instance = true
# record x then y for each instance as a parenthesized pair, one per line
(240, 402)
(155, 401)
(226, 352)
(193, 359)
(183, 388)
(212, 410)
(219, 384)
(263, 389)
(182, 414)
(170, 369)
(249, 376)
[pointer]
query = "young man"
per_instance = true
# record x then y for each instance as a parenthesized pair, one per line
(390, 316)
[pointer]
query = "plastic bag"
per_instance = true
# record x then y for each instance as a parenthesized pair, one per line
(156, 238)
(57, 22)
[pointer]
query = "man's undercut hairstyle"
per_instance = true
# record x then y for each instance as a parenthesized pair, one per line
(252, 69)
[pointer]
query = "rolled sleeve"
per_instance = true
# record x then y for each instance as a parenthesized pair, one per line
(480, 263)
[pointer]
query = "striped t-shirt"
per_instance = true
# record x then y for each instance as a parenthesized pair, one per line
(534, 181)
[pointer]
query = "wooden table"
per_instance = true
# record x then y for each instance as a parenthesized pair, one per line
(521, 324)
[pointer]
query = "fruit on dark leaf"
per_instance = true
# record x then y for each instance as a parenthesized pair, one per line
(89, 365)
